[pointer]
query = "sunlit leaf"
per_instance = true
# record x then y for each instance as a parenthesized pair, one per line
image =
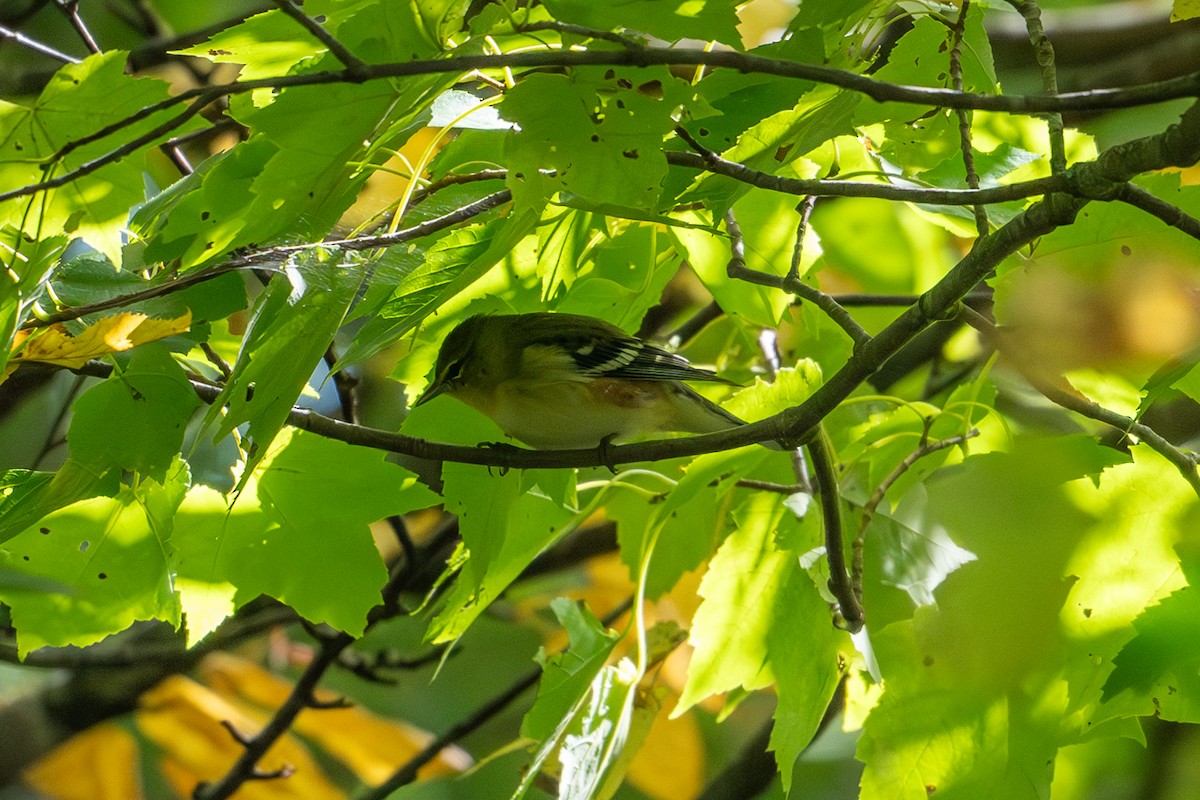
(109, 335)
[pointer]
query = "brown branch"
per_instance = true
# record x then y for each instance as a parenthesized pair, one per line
(849, 601)
(352, 62)
(926, 448)
(1176, 217)
(1186, 463)
(1044, 51)
(737, 270)
(880, 191)
(1099, 99)
(70, 9)
(958, 31)
(36, 46)
(281, 252)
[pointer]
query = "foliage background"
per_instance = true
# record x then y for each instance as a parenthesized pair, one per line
(223, 289)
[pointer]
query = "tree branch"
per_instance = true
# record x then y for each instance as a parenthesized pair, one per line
(849, 602)
(36, 46)
(1186, 463)
(352, 62)
(958, 30)
(737, 269)
(1045, 58)
(1176, 217)
(280, 252)
(1099, 99)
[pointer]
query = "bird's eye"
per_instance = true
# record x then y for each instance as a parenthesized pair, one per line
(453, 372)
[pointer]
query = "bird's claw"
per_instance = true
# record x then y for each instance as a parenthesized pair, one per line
(503, 447)
(605, 459)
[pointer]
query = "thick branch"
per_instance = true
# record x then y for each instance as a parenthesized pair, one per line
(1185, 86)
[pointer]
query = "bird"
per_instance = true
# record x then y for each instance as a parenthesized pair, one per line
(558, 381)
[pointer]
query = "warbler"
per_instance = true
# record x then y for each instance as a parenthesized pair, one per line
(565, 381)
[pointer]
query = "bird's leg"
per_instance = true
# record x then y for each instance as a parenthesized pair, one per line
(602, 449)
(504, 447)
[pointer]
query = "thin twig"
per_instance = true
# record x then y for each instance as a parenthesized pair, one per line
(36, 46)
(255, 257)
(737, 269)
(1173, 215)
(215, 359)
(70, 9)
(958, 31)
(579, 30)
(1186, 463)
(792, 279)
(879, 191)
(1044, 51)
(339, 50)
(849, 603)
(925, 448)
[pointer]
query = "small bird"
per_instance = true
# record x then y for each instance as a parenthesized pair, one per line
(565, 381)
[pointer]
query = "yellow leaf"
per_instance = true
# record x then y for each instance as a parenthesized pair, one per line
(101, 763)
(370, 746)
(184, 719)
(1185, 9)
(53, 345)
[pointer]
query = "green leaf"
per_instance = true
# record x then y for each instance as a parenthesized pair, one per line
(265, 44)
(567, 675)
(746, 595)
(112, 552)
(680, 529)
(29, 265)
(1185, 9)
(299, 531)
(598, 740)
(600, 131)
(135, 420)
(427, 278)
(26, 497)
(504, 527)
(705, 20)
(803, 646)
(293, 323)
(924, 744)
(79, 100)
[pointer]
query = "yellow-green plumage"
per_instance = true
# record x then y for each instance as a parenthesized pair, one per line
(559, 381)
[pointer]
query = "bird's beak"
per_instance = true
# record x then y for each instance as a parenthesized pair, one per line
(437, 387)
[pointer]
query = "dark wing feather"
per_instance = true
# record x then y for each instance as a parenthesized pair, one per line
(609, 352)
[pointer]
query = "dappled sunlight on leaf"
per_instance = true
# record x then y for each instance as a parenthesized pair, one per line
(106, 336)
